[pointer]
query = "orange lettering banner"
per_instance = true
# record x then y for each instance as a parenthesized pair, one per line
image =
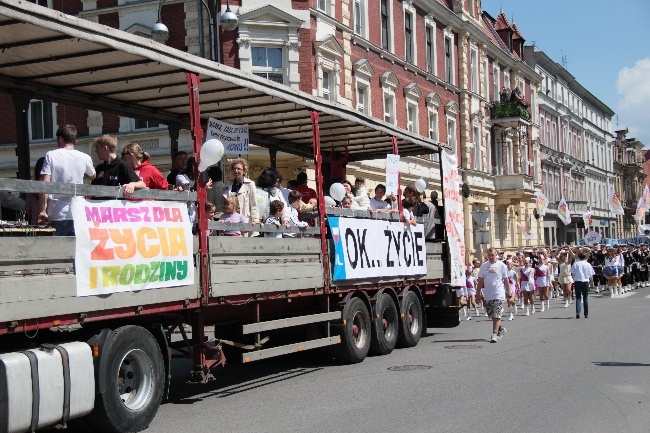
(124, 246)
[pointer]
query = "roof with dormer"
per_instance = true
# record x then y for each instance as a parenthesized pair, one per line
(489, 26)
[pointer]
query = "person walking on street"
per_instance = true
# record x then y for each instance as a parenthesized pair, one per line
(583, 277)
(493, 280)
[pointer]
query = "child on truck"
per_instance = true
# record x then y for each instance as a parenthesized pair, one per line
(295, 199)
(230, 215)
(408, 204)
(276, 207)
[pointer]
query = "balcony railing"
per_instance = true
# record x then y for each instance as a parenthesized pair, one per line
(502, 110)
(514, 182)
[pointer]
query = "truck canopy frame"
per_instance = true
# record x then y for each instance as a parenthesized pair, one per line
(49, 55)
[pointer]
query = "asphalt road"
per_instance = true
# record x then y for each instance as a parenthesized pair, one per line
(550, 373)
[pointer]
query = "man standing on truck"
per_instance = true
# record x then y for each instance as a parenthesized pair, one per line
(114, 171)
(493, 279)
(179, 167)
(64, 165)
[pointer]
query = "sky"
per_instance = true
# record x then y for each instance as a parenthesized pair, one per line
(607, 48)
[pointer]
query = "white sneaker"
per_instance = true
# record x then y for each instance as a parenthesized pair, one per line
(533, 310)
(527, 312)
(566, 303)
(493, 339)
(469, 318)
(511, 316)
(542, 306)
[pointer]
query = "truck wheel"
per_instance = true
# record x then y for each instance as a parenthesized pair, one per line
(385, 326)
(355, 332)
(411, 321)
(135, 381)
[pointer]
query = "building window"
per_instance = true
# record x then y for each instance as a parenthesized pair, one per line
(408, 37)
(495, 84)
(363, 98)
(473, 70)
(476, 142)
(326, 88)
(144, 124)
(449, 60)
(506, 80)
(486, 79)
(412, 117)
(451, 134)
(389, 108)
(359, 17)
(488, 154)
(433, 125)
(385, 25)
(44, 3)
(41, 120)
(431, 49)
(324, 6)
(267, 63)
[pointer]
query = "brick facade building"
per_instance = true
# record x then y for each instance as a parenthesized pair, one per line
(437, 68)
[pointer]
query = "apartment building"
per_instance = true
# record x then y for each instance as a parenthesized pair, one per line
(576, 151)
(434, 67)
(629, 179)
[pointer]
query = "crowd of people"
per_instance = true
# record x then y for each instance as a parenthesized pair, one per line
(261, 201)
(535, 276)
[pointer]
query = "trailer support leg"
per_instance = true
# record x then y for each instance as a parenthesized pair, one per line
(204, 357)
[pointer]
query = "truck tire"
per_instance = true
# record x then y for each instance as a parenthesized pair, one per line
(411, 321)
(135, 377)
(354, 332)
(385, 326)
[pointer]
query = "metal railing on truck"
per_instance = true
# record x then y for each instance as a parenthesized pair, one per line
(37, 274)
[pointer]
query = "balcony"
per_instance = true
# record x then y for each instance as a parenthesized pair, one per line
(508, 110)
(514, 182)
(577, 206)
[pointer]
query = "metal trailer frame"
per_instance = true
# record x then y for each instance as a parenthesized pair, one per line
(55, 57)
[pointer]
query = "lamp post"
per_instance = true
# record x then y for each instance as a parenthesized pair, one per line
(228, 21)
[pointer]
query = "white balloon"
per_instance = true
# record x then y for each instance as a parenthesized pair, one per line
(337, 191)
(211, 153)
(421, 184)
(329, 201)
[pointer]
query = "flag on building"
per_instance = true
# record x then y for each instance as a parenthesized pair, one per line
(586, 217)
(526, 232)
(563, 212)
(639, 215)
(646, 197)
(541, 203)
(615, 203)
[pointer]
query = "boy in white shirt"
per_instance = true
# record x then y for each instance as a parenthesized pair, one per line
(377, 203)
(408, 205)
(361, 194)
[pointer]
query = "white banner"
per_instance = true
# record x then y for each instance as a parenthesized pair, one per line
(454, 220)
(392, 174)
(234, 137)
(592, 238)
(375, 248)
(124, 246)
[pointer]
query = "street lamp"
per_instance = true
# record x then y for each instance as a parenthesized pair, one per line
(228, 21)
(159, 31)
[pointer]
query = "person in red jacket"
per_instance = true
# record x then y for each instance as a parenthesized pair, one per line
(307, 192)
(338, 160)
(133, 154)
